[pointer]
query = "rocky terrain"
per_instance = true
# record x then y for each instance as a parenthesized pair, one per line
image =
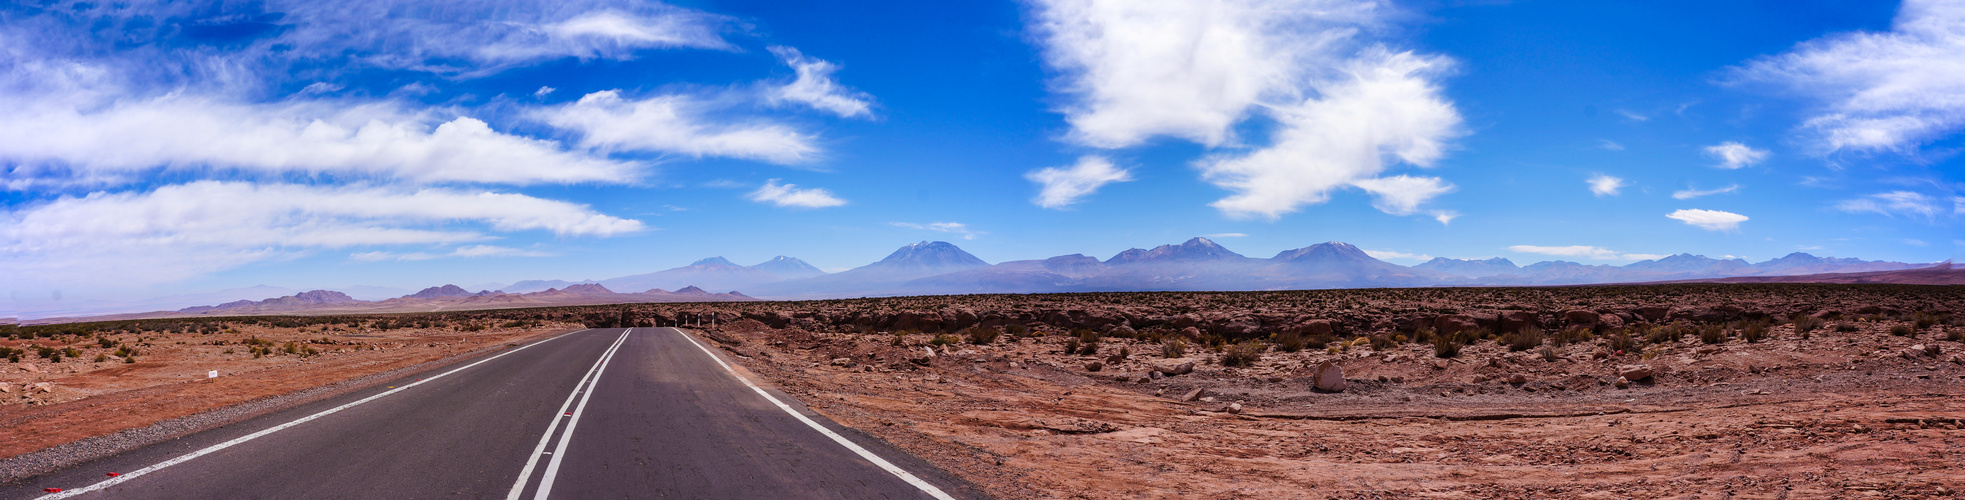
(1788, 391)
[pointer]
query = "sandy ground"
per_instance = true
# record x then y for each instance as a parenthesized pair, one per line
(44, 403)
(1837, 415)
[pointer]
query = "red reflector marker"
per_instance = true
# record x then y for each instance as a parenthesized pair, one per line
(51, 490)
(112, 474)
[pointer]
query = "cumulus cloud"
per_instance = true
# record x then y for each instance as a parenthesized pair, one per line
(1689, 193)
(1877, 91)
(1385, 108)
(789, 195)
(1893, 203)
(1604, 185)
(815, 87)
(184, 230)
(374, 139)
(1402, 194)
(943, 227)
(1733, 155)
(674, 124)
(1710, 220)
(1062, 187)
(1583, 252)
(1342, 105)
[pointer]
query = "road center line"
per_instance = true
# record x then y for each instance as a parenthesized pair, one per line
(525, 475)
(930, 489)
(559, 452)
(242, 439)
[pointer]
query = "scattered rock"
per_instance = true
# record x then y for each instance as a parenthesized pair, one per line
(1329, 377)
(6, 388)
(30, 367)
(1094, 366)
(846, 362)
(1234, 407)
(1635, 372)
(1155, 375)
(1623, 383)
(1439, 364)
(44, 387)
(1191, 395)
(1518, 379)
(1015, 365)
(1180, 369)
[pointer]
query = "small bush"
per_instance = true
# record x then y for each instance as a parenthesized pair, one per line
(1804, 323)
(1291, 341)
(1087, 341)
(1017, 330)
(1383, 343)
(1712, 334)
(102, 357)
(1925, 321)
(1173, 348)
(983, 335)
(1620, 341)
(1954, 335)
(1528, 338)
(1243, 354)
(1445, 346)
(1846, 327)
(1903, 330)
(1549, 354)
(945, 339)
(1753, 331)
(1422, 333)
(1071, 346)
(130, 360)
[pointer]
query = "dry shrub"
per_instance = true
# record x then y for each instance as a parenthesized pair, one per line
(1174, 347)
(1290, 341)
(983, 335)
(1712, 334)
(1243, 354)
(1846, 327)
(1903, 330)
(1445, 346)
(1618, 340)
(1528, 338)
(1804, 323)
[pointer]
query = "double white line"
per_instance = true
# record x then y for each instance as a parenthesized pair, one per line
(586, 385)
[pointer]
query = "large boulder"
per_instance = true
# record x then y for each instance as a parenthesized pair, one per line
(1329, 377)
(1608, 321)
(1579, 317)
(1454, 323)
(1312, 328)
(1653, 314)
(1635, 372)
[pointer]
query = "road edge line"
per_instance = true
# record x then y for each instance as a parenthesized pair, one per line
(262, 433)
(896, 470)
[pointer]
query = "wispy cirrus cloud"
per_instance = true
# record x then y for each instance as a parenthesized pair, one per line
(1895, 203)
(1877, 91)
(179, 231)
(790, 195)
(1690, 193)
(943, 227)
(470, 251)
(816, 88)
(1063, 187)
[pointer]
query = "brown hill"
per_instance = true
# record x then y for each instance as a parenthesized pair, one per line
(1941, 274)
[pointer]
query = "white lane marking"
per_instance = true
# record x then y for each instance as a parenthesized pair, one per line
(930, 489)
(241, 439)
(526, 474)
(559, 452)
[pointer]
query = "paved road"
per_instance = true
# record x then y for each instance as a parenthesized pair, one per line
(604, 413)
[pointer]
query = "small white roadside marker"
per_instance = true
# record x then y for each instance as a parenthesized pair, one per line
(211, 374)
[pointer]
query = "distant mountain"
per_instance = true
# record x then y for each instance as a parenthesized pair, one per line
(1801, 263)
(302, 299)
(788, 268)
(1471, 268)
(1196, 249)
(714, 272)
(886, 277)
(440, 291)
(1942, 274)
(528, 286)
(1687, 264)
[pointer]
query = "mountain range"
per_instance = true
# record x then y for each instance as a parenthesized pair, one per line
(937, 267)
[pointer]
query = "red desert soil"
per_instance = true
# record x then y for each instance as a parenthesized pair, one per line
(45, 403)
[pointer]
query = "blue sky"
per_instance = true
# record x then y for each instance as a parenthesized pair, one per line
(161, 148)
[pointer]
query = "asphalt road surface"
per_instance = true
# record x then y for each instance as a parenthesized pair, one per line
(603, 413)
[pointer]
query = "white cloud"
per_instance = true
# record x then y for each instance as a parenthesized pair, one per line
(321, 88)
(1225, 235)
(942, 227)
(1710, 220)
(1386, 107)
(1583, 251)
(1733, 155)
(1445, 216)
(186, 230)
(1609, 145)
(1062, 187)
(1689, 193)
(815, 87)
(789, 195)
(543, 91)
(177, 132)
(1402, 194)
(1958, 205)
(1186, 69)
(1604, 185)
(463, 251)
(674, 124)
(1633, 115)
(1396, 255)
(1908, 203)
(492, 35)
(1879, 90)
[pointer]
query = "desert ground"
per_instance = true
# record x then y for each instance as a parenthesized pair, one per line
(1664, 391)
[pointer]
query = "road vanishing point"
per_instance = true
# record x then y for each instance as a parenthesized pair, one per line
(597, 413)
